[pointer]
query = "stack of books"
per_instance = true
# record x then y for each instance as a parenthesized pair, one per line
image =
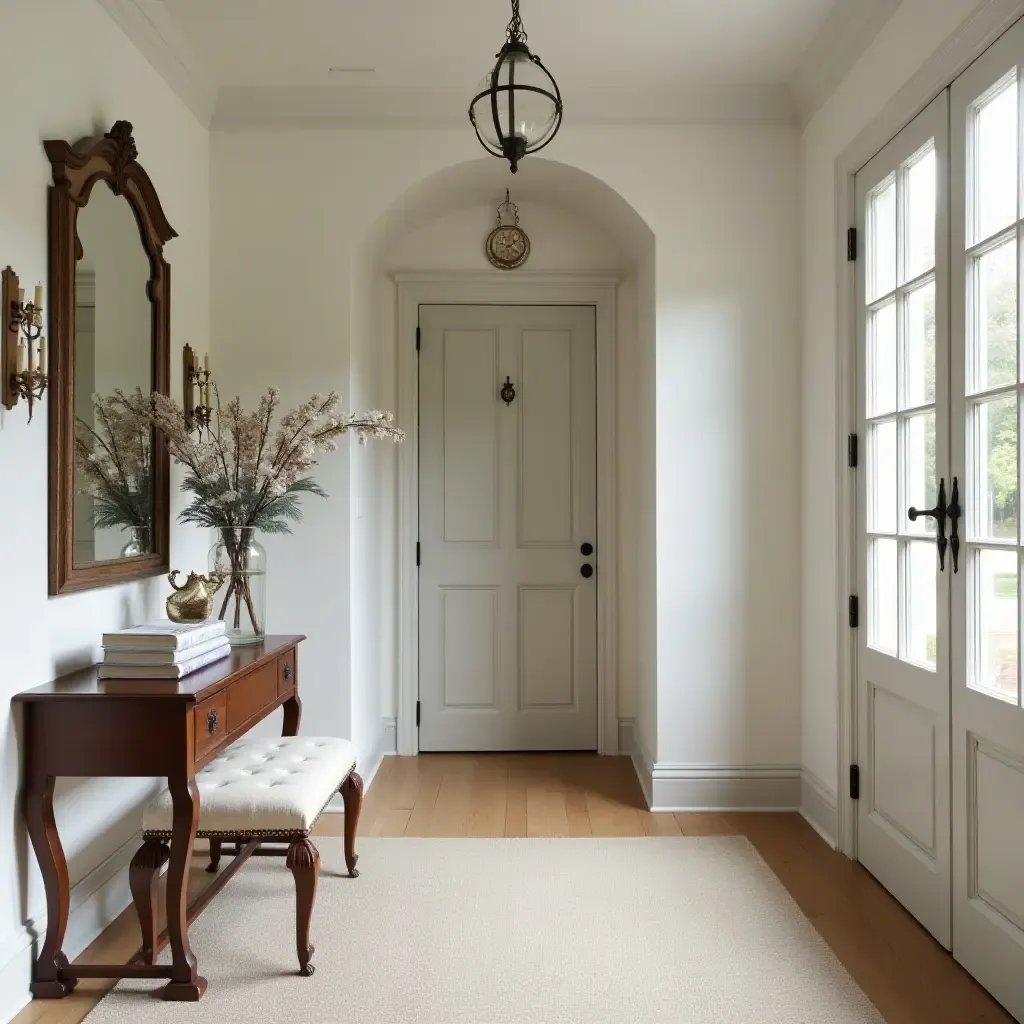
(162, 650)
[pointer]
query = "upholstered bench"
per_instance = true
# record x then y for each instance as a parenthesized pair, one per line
(258, 792)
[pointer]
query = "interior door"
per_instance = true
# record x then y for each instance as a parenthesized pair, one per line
(508, 516)
(988, 723)
(903, 494)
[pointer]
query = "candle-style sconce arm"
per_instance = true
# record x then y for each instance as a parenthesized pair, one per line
(198, 414)
(22, 345)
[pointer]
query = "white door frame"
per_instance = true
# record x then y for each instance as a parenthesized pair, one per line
(982, 28)
(515, 289)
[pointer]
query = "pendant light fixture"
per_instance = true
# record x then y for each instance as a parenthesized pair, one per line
(517, 109)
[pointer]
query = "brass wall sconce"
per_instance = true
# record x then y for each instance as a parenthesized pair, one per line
(198, 414)
(22, 346)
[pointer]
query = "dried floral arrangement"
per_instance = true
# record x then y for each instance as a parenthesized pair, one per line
(245, 473)
(113, 460)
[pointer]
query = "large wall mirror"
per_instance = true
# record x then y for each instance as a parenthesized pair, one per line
(109, 324)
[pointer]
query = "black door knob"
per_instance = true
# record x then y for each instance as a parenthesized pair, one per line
(586, 548)
(586, 570)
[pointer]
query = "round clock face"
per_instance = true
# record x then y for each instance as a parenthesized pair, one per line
(508, 247)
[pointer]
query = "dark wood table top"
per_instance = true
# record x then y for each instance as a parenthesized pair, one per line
(85, 683)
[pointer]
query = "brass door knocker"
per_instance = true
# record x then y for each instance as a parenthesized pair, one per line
(508, 392)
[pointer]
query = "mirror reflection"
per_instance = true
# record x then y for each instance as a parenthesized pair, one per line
(113, 357)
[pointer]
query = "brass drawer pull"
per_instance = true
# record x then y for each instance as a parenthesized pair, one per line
(211, 721)
(287, 671)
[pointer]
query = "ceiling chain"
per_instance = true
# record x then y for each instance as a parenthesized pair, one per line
(515, 31)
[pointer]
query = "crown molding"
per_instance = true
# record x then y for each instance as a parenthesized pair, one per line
(247, 108)
(848, 31)
(154, 34)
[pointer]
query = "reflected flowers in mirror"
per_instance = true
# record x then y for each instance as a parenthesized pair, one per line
(113, 465)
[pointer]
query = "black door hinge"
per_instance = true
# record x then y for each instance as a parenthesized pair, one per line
(854, 611)
(851, 245)
(854, 782)
(852, 451)
(417, 339)
(417, 553)
(417, 714)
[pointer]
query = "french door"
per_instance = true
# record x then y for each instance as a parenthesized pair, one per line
(986, 374)
(904, 649)
(941, 723)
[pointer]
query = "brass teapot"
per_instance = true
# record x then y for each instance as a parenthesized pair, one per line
(193, 601)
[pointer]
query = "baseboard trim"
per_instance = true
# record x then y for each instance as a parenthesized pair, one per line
(819, 807)
(390, 736)
(370, 765)
(97, 900)
(632, 745)
(717, 787)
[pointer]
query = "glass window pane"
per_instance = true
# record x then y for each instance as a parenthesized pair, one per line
(995, 163)
(995, 625)
(919, 224)
(995, 493)
(919, 347)
(882, 360)
(921, 632)
(994, 328)
(881, 275)
(883, 595)
(882, 497)
(920, 487)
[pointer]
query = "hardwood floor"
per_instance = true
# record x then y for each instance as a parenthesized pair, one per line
(908, 976)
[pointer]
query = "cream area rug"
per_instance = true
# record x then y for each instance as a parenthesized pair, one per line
(532, 931)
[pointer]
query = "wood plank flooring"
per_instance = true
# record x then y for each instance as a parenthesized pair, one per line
(910, 978)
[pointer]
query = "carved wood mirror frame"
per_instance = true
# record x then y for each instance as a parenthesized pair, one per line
(110, 158)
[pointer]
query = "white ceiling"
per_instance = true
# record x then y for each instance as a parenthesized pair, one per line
(650, 43)
(653, 60)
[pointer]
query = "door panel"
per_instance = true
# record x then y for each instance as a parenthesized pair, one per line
(903, 651)
(987, 719)
(508, 494)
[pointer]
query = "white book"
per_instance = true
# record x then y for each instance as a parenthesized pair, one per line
(164, 634)
(168, 656)
(178, 671)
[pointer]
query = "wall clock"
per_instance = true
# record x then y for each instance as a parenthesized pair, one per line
(508, 245)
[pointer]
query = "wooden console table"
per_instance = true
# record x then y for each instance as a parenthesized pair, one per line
(79, 725)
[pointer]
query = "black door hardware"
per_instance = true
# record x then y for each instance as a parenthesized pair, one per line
(586, 570)
(586, 548)
(954, 512)
(508, 391)
(939, 514)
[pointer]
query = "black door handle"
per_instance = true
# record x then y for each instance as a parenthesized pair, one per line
(586, 548)
(939, 514)
(954, 512)
(586, 570)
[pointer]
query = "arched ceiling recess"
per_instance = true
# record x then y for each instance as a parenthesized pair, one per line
(541, 181)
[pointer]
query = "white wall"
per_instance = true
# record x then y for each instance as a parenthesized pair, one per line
(83, 77)
(915, 32)
(290, 212)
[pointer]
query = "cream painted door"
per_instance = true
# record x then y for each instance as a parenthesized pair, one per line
(988, 722)
(903, 823)
(508, 505)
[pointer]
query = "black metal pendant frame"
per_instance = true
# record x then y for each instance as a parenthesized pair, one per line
(513, 148)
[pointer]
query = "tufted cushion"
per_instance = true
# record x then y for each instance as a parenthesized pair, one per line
(263, 787)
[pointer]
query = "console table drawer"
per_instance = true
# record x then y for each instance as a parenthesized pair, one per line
(211, 723)
(250, 695)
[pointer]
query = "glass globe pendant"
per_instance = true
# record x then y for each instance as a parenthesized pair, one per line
(517, 108)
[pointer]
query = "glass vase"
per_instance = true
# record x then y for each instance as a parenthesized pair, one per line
(242, 601)
(138, 545)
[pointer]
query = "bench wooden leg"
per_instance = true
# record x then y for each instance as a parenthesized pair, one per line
(214, 856)
(352, 795)
(304, 863)
(143, 879)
